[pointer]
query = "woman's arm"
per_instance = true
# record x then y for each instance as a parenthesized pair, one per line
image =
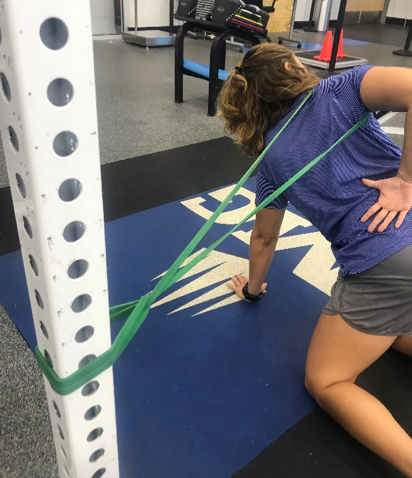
(263, 242)
(390, 89)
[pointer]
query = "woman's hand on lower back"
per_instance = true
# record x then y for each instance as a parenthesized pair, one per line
(394, 202)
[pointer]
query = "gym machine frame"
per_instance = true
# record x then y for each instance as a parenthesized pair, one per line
(310, 27)
(406, 51)
(217, 56)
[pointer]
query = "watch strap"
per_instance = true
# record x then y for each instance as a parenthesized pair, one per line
(251, 297)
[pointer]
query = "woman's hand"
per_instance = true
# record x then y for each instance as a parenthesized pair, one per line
(238, 282)
(395, 200)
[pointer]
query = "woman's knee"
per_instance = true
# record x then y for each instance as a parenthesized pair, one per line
(316, 383)
(339, 353)
(311, 386)
(315, 387)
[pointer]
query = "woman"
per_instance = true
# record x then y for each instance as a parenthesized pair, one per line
(358, 196)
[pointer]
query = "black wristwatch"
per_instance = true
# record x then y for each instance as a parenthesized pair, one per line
(251, 297)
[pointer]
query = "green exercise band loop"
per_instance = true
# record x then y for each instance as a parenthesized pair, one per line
(137, 311)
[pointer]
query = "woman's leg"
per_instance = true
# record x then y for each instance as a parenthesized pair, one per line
(403, 345)
(337, 354)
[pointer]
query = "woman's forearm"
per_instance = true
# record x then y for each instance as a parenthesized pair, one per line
(260, 257)
(405, 169)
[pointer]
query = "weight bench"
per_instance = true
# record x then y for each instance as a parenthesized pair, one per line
(214, 73)
(198, 70)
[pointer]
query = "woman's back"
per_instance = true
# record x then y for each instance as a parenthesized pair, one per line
(331, 195)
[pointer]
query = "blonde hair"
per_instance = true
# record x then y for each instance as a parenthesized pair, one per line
(259, 92)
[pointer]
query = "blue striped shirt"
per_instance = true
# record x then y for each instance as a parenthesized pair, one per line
(331, 195)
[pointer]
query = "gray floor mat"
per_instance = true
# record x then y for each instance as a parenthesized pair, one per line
(26, 441)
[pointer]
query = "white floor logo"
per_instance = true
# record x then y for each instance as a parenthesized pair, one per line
(218, 267)
(315, 268)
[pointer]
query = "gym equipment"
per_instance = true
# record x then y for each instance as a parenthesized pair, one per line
(248, 18)
(219, 15)
(228, 19)
(186, 8)
(319, 16)
(324, 9)
(326, 52)
(229, 11)
(269, 8)
(406, 51)
(150, 38)
(310, 27)
(212, 73)
(234, 13)
(224, 9)
(307, 57)
(203, 70)
(290, 38)
(204, 9)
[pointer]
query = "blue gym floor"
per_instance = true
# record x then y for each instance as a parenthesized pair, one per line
(197, 393)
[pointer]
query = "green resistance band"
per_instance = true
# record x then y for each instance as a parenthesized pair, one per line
(137, 311)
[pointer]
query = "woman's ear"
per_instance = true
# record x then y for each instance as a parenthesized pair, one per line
(287, 66)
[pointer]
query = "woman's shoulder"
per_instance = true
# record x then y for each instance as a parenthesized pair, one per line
(348, 79)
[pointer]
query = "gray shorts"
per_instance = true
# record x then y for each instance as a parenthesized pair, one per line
(379, 300)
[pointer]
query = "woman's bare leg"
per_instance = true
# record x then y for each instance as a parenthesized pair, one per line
(337, 354)
(403, 345)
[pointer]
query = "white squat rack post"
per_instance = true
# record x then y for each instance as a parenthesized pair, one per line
(49, 131)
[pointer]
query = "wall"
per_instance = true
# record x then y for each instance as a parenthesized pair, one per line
(303, 7)
(365, 5)
(151, 13)
(102, 17)
(400, 9)
(280, 20)
(303, 10)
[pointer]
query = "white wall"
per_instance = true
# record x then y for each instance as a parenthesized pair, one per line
(303, 10)
(102, 17)
(400, 9)
(335, 10)
(151, 13)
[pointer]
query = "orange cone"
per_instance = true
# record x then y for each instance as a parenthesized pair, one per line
(326, 53)
(340, 48)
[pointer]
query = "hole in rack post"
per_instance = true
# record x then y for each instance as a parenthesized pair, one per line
(54, 33)
(60, 92)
